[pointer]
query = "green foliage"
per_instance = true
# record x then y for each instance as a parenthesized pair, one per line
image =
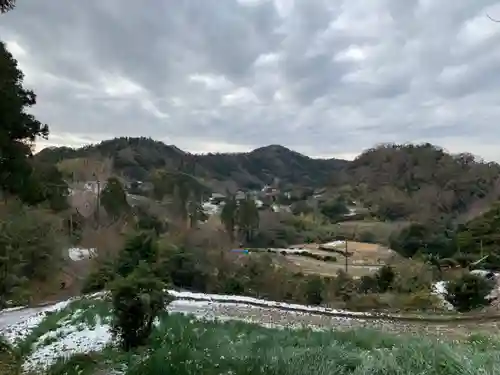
(469, 292)
(137, 299)
(248, 218)
(100, 278)
(46, 184)
(432, 238)
(29, 249)
(397, 178)
(114, 198)
(184, 190)
(367, 236)
(184, 269)
(149, 222)
(480, 236)
(141, 247)
(334, 209)
(314, 290)
(228, 216)
(19, 128)
(344, 286)
(301, 208)
(367, 284)
(385, 276)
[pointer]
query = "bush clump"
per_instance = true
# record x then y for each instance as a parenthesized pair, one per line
(137, 300)
(469, 292)
(314, 290)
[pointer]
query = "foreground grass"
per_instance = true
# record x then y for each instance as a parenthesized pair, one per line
(182, 345)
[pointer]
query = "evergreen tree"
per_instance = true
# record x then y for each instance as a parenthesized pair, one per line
(6, 5)
(18, 128)
(248, 218)
(228, 216)
(137, 300)
(114, 198)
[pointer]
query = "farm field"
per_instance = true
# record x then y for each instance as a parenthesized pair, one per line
(313, 266)
(366, 258)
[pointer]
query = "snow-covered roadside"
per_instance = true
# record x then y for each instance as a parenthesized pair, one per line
(72, 338)
(251, 300)
(14, 323)
(67, 341)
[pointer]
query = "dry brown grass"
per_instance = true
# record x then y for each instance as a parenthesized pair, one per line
(313, 266)
(87, 169)
(108, 240)
(85, 202)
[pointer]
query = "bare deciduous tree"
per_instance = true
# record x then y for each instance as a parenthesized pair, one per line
(493, 19)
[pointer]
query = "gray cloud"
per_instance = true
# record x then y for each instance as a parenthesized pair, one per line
(325, 78)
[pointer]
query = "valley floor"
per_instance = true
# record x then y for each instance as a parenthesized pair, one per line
(219, 338)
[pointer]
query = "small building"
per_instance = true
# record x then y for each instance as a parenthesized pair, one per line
(217, 198)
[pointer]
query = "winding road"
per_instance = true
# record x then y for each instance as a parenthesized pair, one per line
(275, 314)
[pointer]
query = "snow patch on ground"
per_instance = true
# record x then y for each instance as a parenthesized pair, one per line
(68, 340)
(77, 253)
(18, 324)
(243, 299)
(73, 338)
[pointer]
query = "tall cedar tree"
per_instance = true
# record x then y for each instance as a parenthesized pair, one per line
(18, 128)
(114, 198)
(248, 218)
(228, 216)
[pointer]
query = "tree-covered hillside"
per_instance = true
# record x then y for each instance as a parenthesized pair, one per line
(136, 158)
(421, 182)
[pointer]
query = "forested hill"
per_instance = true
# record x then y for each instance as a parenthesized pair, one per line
(417, 182)
(135, 158)
(422, 181)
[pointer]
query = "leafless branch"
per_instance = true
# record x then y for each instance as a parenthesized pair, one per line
(494, 20)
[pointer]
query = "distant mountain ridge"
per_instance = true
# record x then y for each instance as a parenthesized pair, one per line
(413, 182)
(135, 158)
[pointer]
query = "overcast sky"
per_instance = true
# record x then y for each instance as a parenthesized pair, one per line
(323, 77)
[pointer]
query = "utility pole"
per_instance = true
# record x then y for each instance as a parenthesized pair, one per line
(346, 265)
(98, 204)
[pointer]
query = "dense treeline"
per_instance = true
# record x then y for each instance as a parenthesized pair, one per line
(136, 158)
(421, 182)
(416, 182)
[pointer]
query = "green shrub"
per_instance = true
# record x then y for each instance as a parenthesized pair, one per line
(98, 279)
(367, 284)
(385, 276)
(30, 250)
(329, 258)
(367, 236)
(137, 299)
(469, 292)
(314, 290)
(344, 286)
(183, 269)
(141, 247)
(233, 285)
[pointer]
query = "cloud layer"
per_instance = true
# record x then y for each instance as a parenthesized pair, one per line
(327, 78)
